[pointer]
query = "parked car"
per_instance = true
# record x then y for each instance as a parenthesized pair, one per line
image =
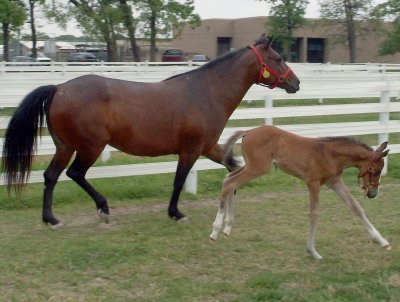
(82, 57)
(200, 58)
(40, 57)
(23, 59)
(173, 55)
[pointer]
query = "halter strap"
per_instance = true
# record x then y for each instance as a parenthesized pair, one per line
(264, 67)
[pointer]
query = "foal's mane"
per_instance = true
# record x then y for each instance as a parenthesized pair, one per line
(345, 140)
(229, 55)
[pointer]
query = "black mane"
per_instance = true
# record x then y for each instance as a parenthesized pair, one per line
(229, 55)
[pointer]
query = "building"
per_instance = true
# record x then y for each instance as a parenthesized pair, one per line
(314, 42)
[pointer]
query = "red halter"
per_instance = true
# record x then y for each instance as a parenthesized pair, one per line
(264, 67)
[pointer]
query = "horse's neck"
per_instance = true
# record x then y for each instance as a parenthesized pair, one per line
(230, 80)
(352, 155)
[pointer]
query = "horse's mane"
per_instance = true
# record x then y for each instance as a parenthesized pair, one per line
(229, 55)
(345, 140)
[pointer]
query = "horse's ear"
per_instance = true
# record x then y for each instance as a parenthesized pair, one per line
(381, 147)
(268, 42)
(385, 153)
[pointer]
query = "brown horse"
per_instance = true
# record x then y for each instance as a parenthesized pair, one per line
(317, 161)
(182, 115)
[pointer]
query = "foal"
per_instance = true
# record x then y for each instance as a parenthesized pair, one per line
(317, 161)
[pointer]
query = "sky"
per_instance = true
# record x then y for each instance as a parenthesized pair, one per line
(208, 9)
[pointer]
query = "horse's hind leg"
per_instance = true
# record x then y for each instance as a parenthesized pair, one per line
(77, 172)
(51, 175)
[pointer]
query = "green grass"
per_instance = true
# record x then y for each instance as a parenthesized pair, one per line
(142, 255)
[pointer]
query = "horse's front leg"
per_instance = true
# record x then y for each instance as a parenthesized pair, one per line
(341, 189)
(313, 189)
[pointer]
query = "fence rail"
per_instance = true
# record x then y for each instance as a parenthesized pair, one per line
(318, 81)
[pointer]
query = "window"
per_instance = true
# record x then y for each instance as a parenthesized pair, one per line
(315, 50)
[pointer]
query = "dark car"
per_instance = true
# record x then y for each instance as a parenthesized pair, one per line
(82, 57)
(173, 55)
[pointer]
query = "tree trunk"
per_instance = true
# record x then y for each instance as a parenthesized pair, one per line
(129, 24)
(153, 32)
(6, 41)
(33, 28)
(351, 32)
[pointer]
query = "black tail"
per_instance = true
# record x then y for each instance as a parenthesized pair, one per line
(20, 137)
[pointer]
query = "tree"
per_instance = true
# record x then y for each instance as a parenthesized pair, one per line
(12, 17)
(284, 17)
(389, 10)
(348, 14)
(130, 25)
(100, 18)
(165, 17)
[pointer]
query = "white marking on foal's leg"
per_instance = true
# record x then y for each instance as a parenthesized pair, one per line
(229, 215)
(217, 225)
(374, 233)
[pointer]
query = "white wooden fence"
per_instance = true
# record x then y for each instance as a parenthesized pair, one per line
(318, 81)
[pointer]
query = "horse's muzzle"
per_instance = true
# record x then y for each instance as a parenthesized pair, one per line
(292, 86)
(371, 193)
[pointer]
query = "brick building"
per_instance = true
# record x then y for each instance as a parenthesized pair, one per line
(314, 42)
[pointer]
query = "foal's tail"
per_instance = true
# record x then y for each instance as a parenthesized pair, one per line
(20, 138)
(227, 149)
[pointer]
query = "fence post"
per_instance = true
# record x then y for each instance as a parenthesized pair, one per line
(191, 182)
(105, 155)
(268, 103)
(384, 118)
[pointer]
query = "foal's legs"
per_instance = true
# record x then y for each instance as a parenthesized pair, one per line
(341, 189)
(51, 175)
(233, 181)
(77, 172)
(313, 189)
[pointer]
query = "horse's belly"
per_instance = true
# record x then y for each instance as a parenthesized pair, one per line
(143, 147)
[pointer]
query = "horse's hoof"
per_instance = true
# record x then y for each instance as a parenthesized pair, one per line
(387, 247)
(184, 219)
(57, 226)
(103, 216)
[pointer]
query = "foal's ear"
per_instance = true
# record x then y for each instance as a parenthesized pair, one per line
(385, 153)
(381, 147)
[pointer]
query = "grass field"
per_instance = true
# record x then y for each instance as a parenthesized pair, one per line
(142, 255)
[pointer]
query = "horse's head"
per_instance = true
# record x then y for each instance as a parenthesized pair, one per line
(370, 172)
(273, 70)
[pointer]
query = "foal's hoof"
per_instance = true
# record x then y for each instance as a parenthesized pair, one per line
(387, 247)
(103, 216)
(57, 226)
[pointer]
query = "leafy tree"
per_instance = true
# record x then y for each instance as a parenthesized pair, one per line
(163, 17)
(284, 17)
(389, 10)
(348, 14)
(12, 17)
(100, 18)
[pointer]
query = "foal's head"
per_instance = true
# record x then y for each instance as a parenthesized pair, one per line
(273, 70)
(371, 170)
